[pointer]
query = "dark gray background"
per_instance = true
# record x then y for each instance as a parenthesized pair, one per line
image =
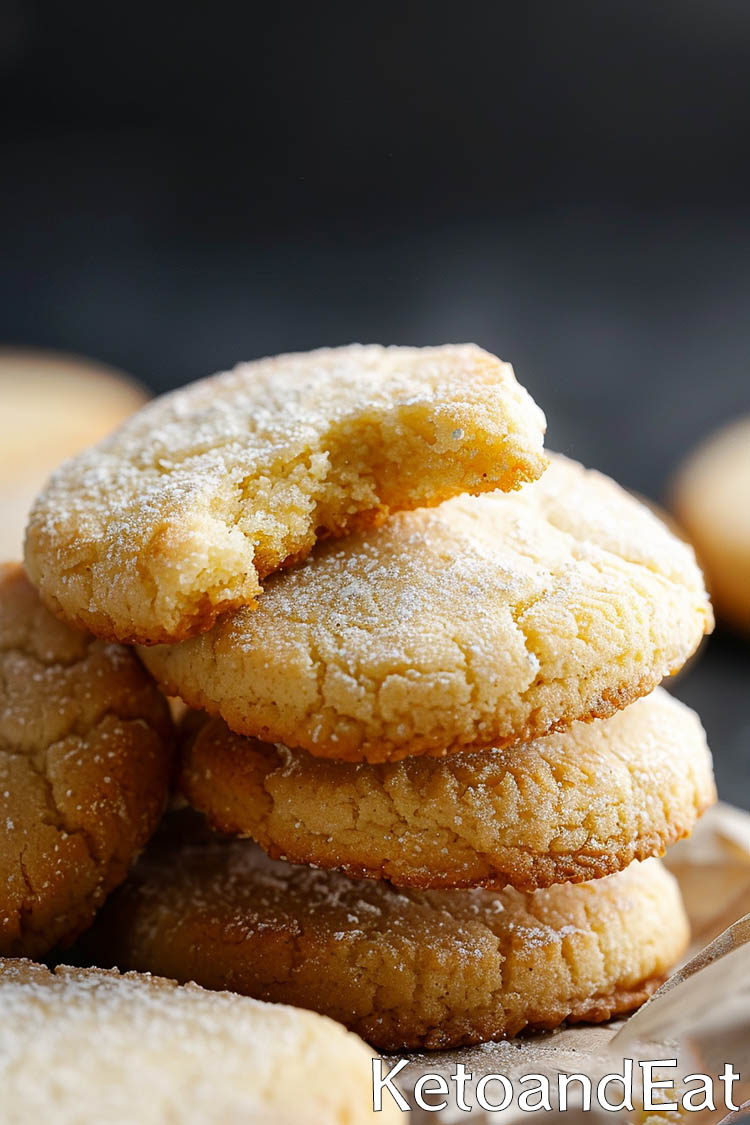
(566, 184)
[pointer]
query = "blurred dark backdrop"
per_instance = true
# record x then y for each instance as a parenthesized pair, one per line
(188, 185)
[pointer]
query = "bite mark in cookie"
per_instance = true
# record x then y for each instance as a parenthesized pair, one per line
(176, 518)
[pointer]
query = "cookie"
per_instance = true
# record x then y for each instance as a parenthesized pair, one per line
(175, 519)
(85, 762)
(711, 497)
(404, 969)
(567, 807)
(487, 620)
(64, 402)
(84, 1045)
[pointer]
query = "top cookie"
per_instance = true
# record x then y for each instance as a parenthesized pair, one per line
(176, 517)
(486, 620)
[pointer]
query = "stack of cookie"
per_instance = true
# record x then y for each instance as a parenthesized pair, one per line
(432, 751)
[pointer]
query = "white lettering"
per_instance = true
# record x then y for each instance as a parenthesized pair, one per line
(706, 1089)
(433, 1093)
(482, 1085)
(461, 1077)
(649, 1085)
(626, 1081)
(540, 1088)
(420, 1088)
(729, 1077)
(380, 1083)
(564, 1080)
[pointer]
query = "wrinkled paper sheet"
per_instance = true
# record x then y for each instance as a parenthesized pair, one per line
(700, 1016)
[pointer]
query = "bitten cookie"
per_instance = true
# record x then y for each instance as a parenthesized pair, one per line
(85, 758)
(152, 534)
(568, 807)
(712, 502)
(487, 620)
(405, 969)
(84, 1045)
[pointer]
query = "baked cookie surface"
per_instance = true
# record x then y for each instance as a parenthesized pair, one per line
(86, 745)
(487, 620)
(571, 806)
(404, 969)
(86, 1045)
(711, 496)
(153, 533)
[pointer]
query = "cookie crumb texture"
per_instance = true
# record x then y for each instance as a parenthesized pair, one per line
(410, 969)
(487, 620)
(87, 1045)
(568, 807)
(85, 758)
(176, 518)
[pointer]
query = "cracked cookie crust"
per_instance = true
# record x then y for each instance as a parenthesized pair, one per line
(484, 621)
(85, 758)
(567, 807)
(404, 969)
(176, 517)
(90, 1045)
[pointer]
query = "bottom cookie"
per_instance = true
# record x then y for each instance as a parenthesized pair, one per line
(82, 1045)
(404, 969)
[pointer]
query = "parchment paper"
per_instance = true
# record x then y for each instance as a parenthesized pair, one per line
(701, 1016)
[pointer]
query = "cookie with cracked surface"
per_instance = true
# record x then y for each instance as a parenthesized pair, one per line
(487, 620)
(566, 807)
(404, 969)
(176, 518)
(710, 498)
(88, 1045)
(86, 752)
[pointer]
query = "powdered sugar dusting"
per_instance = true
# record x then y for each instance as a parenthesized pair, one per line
(176, 516)
(484, 620)
(96, 1046)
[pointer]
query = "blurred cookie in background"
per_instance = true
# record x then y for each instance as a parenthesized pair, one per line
(711, 499)
(53, 405)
